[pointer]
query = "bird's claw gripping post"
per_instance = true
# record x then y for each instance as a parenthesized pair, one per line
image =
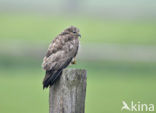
(73, 61)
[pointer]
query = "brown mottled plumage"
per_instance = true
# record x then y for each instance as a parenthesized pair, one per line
(61, 52)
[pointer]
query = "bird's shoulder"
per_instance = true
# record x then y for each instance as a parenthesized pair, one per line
(58, 43)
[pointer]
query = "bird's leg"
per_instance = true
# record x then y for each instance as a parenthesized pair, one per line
(73, 61)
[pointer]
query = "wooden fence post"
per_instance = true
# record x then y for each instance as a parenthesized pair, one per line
(67, 95)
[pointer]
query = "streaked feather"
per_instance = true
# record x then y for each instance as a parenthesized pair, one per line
(59, 55)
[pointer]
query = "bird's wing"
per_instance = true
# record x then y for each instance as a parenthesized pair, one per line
(52, 75)
(56, 44)
(57, 61)
(53, 53)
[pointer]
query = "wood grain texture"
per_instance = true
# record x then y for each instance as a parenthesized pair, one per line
(67, 95)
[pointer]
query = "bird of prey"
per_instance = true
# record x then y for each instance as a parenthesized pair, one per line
(61, 52)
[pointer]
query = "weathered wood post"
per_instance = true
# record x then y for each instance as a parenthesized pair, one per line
(67, 95)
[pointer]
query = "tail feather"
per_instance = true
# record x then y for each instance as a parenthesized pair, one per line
(51, 78)
(52, 75)
(56, 76)
(48, 75)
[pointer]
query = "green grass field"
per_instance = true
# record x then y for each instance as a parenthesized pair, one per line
(108, 82)
(41, 29)
(107, 85)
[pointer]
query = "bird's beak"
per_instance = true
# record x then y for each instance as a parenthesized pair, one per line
(79, 35)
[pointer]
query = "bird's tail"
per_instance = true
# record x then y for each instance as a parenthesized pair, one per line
(51, 77)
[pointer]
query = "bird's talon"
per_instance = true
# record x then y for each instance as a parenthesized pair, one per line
(73, 62)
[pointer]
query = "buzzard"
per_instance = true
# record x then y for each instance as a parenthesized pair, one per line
(61, 52)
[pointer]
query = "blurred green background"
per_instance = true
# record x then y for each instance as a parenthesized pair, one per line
(118, 50)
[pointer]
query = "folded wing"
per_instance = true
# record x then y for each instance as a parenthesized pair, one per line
(58, 57)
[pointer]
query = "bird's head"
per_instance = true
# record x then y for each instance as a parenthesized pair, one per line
(73, 31)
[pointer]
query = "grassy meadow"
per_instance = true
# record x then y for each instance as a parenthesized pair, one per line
(107, 85)
(40, 29)
(108, 82)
